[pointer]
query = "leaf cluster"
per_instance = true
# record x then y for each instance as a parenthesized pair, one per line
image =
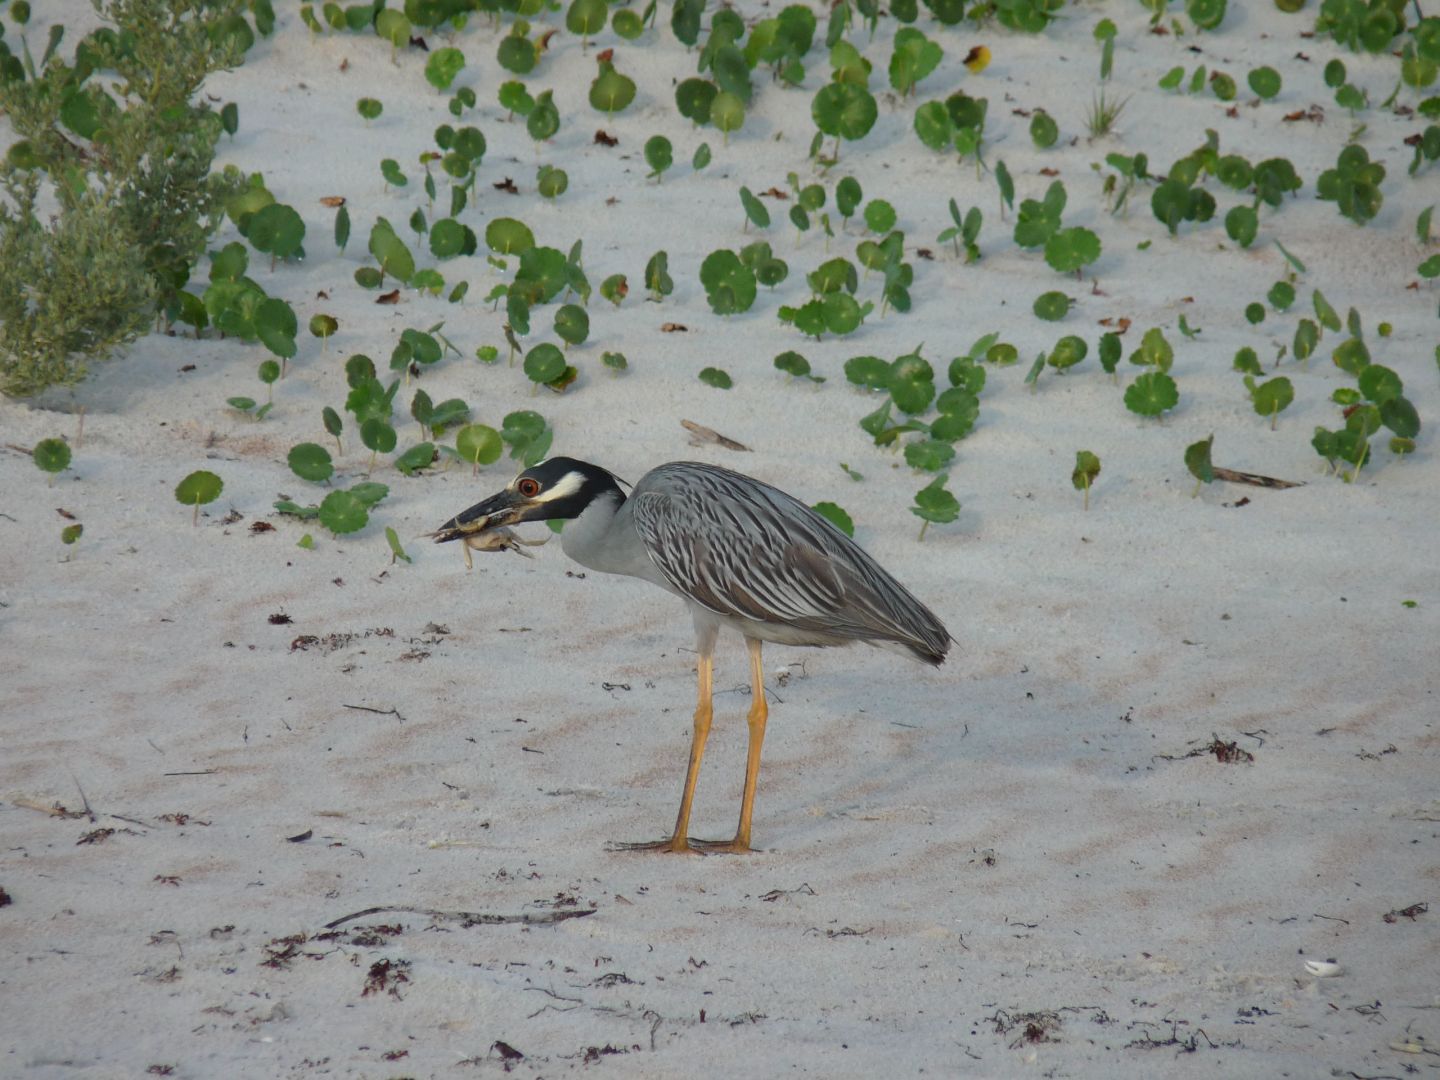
(1353, 185)
(127, 159)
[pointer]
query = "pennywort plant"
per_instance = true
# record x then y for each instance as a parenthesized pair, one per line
(964, 230)
(1154, 392)
(51, 456)
(198, 489)
(1082, 477)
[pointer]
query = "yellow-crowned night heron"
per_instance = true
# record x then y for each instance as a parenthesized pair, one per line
(741, 554)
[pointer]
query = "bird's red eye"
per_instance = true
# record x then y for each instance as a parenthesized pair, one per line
(528, 487)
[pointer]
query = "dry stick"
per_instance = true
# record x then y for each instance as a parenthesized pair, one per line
(383, 712)
(89, 812)
(704, 434)
(468, 918)
(1253, 478)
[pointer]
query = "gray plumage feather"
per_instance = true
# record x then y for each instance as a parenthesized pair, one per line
(748, 551)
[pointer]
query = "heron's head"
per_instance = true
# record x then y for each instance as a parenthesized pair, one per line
(561, 487)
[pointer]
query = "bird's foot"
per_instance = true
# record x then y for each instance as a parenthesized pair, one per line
(722, 847)
(675, 845)
(682, 846)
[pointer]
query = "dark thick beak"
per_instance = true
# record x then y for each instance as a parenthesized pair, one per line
(501, 509)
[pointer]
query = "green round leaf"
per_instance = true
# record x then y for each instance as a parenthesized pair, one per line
(1068, 352)
(323, 326)
(712, 376)
(659, 154)
(277, 230)
(1265, 81)
(912, 385)
(842, 313)
(359, 369)
(544, 119)
(1273, 396)
(694, 98)
(929, 455)
(586, 17)
(869, 372)
(199, 488)
(1068, 250)
(369, 493)
(731, 72)
(611, 91)
(879, 216)
(514, 98)
(470, 144)
(844, 110)
(1152, 394)
(1052, 306)
(1399, 416)
(1004, 354)
(276, 325)
(1379, 384)
(394, 27)
(311, 461)
(544, 363)
(508, 236)
(442, 67)
(1241, 225)
(377, 435)
(934, 504)
(552, 182)
(1247, 361)
(51, 455)
(932, 126)
(517, 53)
(416, 458)
(727, 112)
(572, 324)
(447, 238)
(1197, 460)
(1087, 467)
(1352, 356)
(627, 24)
(1043, 129)
(1206, 14)
(341, 512)
(792, 363)
(1281, 295)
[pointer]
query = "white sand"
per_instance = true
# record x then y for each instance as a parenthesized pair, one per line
(1019, 832)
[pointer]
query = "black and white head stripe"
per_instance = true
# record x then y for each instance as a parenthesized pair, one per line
(563, 487)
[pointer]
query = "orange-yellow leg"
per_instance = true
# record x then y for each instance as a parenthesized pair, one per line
(679, 840)
(759, 712)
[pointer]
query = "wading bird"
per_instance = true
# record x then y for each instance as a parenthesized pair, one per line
(741, 554)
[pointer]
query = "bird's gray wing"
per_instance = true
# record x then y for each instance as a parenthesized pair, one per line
(738, 554)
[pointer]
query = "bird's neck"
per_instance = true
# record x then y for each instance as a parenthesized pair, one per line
(598, 541)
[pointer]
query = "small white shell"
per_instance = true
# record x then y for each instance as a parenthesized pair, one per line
(1324, 969)
(1411, 1044)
